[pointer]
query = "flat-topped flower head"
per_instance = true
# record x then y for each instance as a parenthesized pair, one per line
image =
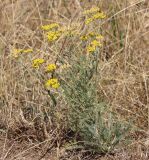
(27, 50)
(84, 38)
(53, 35)
(49, 26)
(37, 62)
(95, 35)
(50, 68)
(89, 20)
(93, 14)
(96, 43)
(99, 15)
(17, 52)
(52, 83)
(91, 35)
(92, 10)
(91, 49)
(93, 46)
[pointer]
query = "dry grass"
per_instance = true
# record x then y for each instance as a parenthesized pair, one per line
(124, 63)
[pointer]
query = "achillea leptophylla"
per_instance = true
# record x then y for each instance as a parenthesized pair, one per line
(49, 26)
(52, 83)
(17, 52)
(50, 68)
(37, 62)
(93, 14)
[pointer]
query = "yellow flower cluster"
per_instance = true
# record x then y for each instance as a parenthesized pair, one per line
(17, 52)
(91, 11)
(53, 82)
(93, 14)
(95, 35)
(88, 20)
(93, 46)
(51, 67)
(91, 35)
(95, 41)
(91, 49)
(49, 26)
(99, 15)
(53, 35)
(53, 31)
(27, 50)
(84, 38)
(37, 62)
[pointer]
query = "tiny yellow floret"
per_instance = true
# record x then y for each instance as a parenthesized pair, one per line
(91, 11)
(37, 62)
(53, 35)
(93, 14)
(92, 34)
(17, 52)
(56, 85)
(96, 43)
(95, 35)
(88, 20)
(52, 83)
(84, 37)
(49, 26)
(27, 50)
(99, 15)
(91, 48)
(51, 68)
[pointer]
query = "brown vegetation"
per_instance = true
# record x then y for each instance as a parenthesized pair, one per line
(124, 74)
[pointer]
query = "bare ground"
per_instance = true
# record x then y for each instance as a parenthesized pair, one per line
(19, 149)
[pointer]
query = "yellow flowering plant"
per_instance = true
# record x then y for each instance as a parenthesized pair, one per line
(73, 75)
(53, 32)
